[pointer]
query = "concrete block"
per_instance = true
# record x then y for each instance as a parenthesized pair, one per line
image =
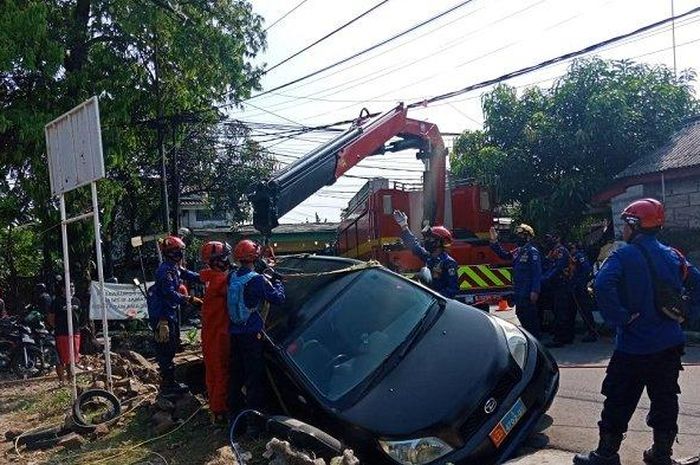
(682, 186)
(679, 200)
(694, 199)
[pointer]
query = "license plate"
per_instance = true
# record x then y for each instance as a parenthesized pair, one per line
(507, 423)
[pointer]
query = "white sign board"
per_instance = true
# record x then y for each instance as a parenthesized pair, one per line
(74, 148)
(124, 302)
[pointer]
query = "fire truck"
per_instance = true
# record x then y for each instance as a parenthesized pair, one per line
(368, 230)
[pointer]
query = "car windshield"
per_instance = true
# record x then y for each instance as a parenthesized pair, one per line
(366, 316)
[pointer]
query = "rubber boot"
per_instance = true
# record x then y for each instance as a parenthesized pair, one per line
(662, 450)
(605, 454)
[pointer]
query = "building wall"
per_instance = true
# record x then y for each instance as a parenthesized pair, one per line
(682, 202)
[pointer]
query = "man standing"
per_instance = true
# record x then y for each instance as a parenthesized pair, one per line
(557, 282)
(57, 318)
(215, 323)
(433, 252)
(580, 276)
(163, 302)
(43, 299)
(527, 270)
(248, 292)
(648, 344)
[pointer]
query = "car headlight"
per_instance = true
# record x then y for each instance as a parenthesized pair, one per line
(517, 342)
(416, 451)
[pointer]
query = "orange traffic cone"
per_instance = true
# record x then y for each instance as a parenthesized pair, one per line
(502, 305)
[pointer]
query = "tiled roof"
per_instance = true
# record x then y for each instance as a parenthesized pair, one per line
(682, 151)
(292, 228)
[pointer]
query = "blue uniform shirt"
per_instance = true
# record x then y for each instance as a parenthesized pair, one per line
(443, 267)
(256, 291)
(164, 296)
(582, 273)
(623, 287)
(555, 274)
(527, 268)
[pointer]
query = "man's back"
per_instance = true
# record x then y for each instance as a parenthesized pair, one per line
(624, 288)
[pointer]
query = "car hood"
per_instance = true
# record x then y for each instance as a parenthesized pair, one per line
(443, 378)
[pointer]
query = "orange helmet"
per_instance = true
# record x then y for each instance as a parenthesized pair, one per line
(215, 250)
(246, 251)
(644, 214)
(441, 233)
(172, 247)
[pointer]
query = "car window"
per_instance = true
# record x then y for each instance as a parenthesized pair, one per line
(361, 319)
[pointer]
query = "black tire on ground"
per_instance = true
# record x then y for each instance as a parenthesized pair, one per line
(90, 396)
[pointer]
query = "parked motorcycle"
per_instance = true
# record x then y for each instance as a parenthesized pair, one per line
(27, 347)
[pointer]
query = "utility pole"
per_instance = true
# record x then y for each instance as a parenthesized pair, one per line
(175, 175)
(161, 135)
(673, 38)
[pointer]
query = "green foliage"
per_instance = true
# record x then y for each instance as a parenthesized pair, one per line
(152, 64)
(549, 151)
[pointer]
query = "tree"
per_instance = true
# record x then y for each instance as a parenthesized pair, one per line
(547, 152)
(160, 70)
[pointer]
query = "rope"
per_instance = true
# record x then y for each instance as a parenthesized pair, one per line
(349, 269)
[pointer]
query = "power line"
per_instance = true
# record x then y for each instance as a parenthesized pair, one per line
(334, 31)
(362, 52)
(552, 61)
(285, 15)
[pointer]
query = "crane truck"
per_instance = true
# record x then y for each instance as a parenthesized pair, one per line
(367, 230)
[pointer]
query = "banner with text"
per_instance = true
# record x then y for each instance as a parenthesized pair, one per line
(124, 302)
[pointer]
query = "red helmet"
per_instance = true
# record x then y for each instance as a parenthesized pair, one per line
(645, 214)
(172, 247)
(215, 250)
(246, 251)
(182, 289)
(442, 234)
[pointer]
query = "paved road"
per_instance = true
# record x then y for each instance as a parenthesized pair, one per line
(576, 409)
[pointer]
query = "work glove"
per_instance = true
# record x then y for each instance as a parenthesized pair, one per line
(493, 235)
(162, 332)
(192, 300)
(401, 219)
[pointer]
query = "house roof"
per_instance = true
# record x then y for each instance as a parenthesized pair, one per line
(296, 228)
(682, 151)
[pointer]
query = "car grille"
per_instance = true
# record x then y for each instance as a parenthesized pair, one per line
(500, 392)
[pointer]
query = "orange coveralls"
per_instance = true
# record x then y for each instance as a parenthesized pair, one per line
(215, 338)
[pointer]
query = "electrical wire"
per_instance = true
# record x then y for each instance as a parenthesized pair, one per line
(362, 52)
(552, 61)
(285, 15)
(333, 32)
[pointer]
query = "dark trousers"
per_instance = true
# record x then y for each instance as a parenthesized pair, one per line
(247, 368)
(564, 315)
(584, 305)
(627, 376)
(528, 315)
(165, 353)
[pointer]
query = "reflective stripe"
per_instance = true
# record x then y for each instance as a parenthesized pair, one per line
(475, 277)
(485, 269)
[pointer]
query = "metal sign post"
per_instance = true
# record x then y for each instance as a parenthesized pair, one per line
(74, 150)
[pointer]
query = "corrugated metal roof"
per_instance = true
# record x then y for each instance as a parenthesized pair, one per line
(682, 151)
(292, 228)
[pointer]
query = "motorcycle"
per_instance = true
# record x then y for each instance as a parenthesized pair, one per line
(27, 348)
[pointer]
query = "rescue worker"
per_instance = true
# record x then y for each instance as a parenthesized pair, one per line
(164, 298)
(248, 293)
(433, 252)
(215, 336)
(648, 344)
(557, 282)
(581, 271)
(57, 319)
(527, 270)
